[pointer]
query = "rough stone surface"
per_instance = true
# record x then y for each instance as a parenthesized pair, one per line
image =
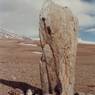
(58, 34)
(90, 94)
(81, 93)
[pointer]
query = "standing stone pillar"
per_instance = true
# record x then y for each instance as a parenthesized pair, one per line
(58, 36)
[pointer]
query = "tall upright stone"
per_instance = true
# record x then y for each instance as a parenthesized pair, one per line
(58, 36)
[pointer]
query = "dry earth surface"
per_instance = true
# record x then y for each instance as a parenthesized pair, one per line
(20, 62)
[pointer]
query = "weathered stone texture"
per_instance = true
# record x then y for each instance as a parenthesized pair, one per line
(58, 34)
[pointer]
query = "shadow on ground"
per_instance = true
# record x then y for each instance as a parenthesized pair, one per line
(21, 85)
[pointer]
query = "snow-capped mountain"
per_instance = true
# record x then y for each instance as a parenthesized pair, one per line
(9, 35)
(4, 33)
(81, 41)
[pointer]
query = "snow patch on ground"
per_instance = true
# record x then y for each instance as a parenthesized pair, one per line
(35, 52)
(25, 44)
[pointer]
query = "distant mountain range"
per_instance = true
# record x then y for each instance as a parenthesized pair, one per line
(85, 42)
(4, 33)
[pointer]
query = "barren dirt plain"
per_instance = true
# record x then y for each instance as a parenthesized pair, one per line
(19, 62)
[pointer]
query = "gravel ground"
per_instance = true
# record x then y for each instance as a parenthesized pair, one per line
(19, 62)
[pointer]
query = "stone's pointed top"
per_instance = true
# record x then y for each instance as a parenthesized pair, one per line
(54, 3)
(54, 6)
(47, 2)
(61, 3)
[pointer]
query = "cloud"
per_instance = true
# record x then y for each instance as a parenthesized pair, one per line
(88, 33)
(86, 20)
(22, 16)
(91, 30)
(89, 1)
(84, 11)
(19, 5)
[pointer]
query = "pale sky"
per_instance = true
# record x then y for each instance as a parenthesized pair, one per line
(21, 16)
